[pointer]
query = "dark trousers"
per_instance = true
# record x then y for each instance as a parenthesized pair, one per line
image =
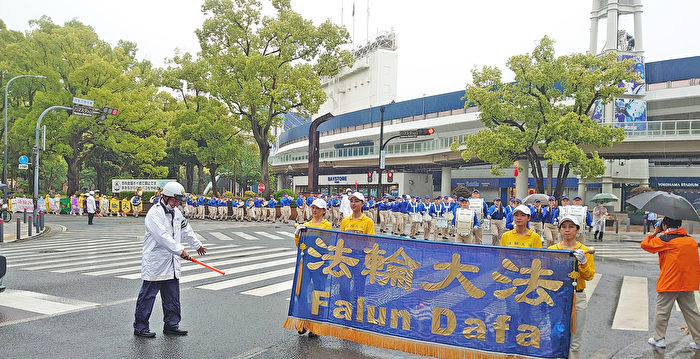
(90, 217)
(170, 297)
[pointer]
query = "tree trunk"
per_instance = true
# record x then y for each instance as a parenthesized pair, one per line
(212, 173)
(235, 184)
(264, 154)
(549, 178)
(558, 189)
(200, 179)
(536, 170)
(561, 179)
(73, 174)
(189, 177)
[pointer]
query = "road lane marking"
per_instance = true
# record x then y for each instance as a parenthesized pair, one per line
(633, 301)
(268, 235)
(592, 284)
(270, 289)
(286, 234)
(221, 236)
(248, 279)
(245, 236)
(232, 270)
(40, 303)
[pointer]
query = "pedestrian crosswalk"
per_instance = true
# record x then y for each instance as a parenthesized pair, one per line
(624, 251)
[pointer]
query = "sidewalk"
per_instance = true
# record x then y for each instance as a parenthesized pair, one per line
(10, 229)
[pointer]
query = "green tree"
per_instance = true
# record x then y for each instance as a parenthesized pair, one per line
(263, 66)
(545, 112)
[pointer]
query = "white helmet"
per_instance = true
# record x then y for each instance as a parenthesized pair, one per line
(175, 190)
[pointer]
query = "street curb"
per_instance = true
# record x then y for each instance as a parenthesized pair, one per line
(47, 230)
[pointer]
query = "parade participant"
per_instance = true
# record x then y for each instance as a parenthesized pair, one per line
(329, 209)
(565, 201)
(188, 207)
(384, 208)
(481, 208)
(424, 208)
(372, 208)
(250, 209)
(212, 206)
(396, 215)
(679, 278)
(49, 204)
(404, 216)
(437, 210)
(241, 209)
(521, 235)
(271, 210)
(223, 208)
(365, 209)
(414, 216)
(509, 215)
(511, 205)
(537, 217)
(497, 215)
(581, 211)
(81, 204)
(450, 205)
(568, 227)
(345, 209)
(285, 208)
(465, 221)
(357, 222)
(551, 216)
(136, 204)
(318, 209)
(90, 206)
(57, 200)
(258, 204)
(104, 206)
(599, 214)
(126, 207)
(335, 210)
(300, 208)
(160, 261)
(73, 205)
(307, 208)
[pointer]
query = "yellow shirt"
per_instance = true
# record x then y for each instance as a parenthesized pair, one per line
(310, 224)
(363, 224)
(529, 240)
(586, 271)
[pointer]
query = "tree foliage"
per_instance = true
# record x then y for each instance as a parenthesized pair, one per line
(265, 66)
(545, 112)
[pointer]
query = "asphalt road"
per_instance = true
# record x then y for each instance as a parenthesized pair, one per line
(72, 294)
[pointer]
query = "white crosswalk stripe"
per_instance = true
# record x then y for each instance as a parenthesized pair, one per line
(40, 303)
(248, 279)
(286, 234)
(245, 236)
(221, 236)
(232, 270)
(270, 289)
(268, 235)
(633, 297)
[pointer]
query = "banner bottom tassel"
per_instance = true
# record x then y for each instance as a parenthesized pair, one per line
(389, 342)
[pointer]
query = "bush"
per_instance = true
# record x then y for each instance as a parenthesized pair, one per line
(462, 191)
(278, 195)
(248, 194)
(228, 194)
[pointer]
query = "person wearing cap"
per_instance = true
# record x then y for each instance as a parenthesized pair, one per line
(578, 202)
(161, 253)
(414, 215)
(372, 208)
(481, 211)
(437, 209)
(550, 219)
(318, 210)
(465, 221)
(395, 216)
(404, 213)
(511, 205)
(423, 208)
(451, 203)
(90, 206)
(81, 204)
(357, 222)
(307, 207)
(345, 209)
(599, 214)
(568, 227)
(384, 208)
(521, 235)
(497, 214)
(300, 208)
(537, 217)
(335, 210)
(679, 278)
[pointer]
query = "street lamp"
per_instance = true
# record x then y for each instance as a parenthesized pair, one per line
(4, 162)
(36, 158)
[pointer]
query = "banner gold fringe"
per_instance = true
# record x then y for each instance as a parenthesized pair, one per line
(389, 342)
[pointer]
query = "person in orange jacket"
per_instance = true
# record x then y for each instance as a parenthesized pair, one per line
(678, 280)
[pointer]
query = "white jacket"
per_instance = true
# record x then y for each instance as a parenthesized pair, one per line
(345, 206)
(160, 255)
(90, 204)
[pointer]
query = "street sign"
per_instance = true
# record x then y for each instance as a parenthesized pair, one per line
(82, 101)
(408, 133)
(382, 159)
(23, 166)
(261, 188)
(23, 159)
(83, 111)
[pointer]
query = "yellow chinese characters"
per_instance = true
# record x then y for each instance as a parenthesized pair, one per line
(534, 283)
(455, 272)
(337, 258)
(401, 274)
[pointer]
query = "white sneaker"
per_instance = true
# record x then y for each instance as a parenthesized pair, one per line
(694, 346)
(658, 343)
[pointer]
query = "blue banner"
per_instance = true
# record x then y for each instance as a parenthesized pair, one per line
(429, 298)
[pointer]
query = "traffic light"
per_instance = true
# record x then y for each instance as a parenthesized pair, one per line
(390, 176)
(425, 131)
(109, 111)
(369, 177)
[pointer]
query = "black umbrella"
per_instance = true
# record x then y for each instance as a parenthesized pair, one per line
(667, 204)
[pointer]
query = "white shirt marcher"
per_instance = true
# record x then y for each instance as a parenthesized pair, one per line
(90, 204)
(160, 259)
(345, 206)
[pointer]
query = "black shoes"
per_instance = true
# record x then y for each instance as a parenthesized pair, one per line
(174, 331)
(145, 333)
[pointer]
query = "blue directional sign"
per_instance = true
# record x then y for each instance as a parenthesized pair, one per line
(23, 159)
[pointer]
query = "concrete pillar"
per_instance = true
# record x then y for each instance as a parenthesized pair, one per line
(521, 180)
(446, 183)
(280, 181)
(593, 43)
(581, 189)
(611, 38)
(638, 44)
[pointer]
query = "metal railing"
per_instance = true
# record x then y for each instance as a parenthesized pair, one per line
(665, 128)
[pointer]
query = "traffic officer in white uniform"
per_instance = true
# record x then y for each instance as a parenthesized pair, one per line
(160, 261)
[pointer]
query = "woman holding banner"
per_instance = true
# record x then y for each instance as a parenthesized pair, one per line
(568, 228)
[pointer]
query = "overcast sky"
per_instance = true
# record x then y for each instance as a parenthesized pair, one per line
(439, 41)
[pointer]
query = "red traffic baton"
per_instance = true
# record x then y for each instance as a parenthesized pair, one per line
(206, 265)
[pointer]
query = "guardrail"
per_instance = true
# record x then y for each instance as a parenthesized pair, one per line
(665, 128)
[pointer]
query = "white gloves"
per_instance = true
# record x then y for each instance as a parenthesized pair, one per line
(580, 256)
(489, 217)
(298, 230)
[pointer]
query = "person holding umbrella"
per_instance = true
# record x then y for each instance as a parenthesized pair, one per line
(599, 214)
(678, 280)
